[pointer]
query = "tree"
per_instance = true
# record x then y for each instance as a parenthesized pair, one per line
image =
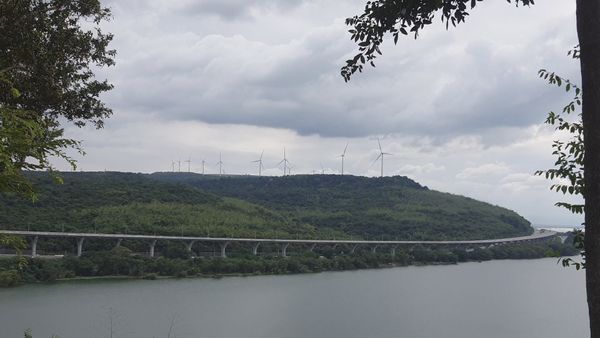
(403, 17)
(48, 49)
(569, 155)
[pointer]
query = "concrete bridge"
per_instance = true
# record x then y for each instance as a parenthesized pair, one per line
(224, 242)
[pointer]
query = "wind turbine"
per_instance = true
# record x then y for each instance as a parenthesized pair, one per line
(179, 165)
(203, 167)
(381, 154)
(220, 164)
(189, 162)
(260, 164)
(322, 169)
(342, 156)
(285, 163)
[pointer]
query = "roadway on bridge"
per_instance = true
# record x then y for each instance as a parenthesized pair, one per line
(537, 235)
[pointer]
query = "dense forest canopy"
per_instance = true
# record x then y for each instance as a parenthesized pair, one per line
(365, 207)
(305, 206)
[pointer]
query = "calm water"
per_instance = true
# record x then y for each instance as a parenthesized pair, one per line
(533, 298)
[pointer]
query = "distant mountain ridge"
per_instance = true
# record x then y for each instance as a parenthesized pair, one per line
(313, 206)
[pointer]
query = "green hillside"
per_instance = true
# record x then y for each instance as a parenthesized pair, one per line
(133, 203)
(387, 207)
(310, 206)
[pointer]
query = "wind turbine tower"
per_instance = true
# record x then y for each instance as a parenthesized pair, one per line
(381, 154)
(342, 156)
(260, 163)
(220, 163)
(285, 162)
(179, 165)
(189, 162)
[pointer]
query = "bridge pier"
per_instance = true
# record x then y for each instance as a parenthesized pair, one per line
(393, 251)
(152, 245)
(119, 242)
(34, 246)
(374, 249)
(255, 248)
(80, 246)
(188, 245)
(284, 247)
(223, 248)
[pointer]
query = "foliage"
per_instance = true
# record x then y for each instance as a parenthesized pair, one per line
(375, 208)
(23, 135)
(569, 165)
(403, 17)
(569, 154)
(46, 63)
(9, 278)
(133, 203)
(319, 206)
(123, 262)
(13, 242)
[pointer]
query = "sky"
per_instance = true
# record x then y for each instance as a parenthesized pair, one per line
(460, 110)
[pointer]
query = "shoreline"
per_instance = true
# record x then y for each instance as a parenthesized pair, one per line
(227, 275)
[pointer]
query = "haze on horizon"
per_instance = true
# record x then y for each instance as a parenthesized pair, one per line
(461, 110)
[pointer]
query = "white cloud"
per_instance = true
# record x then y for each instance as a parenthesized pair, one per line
(484, 171)
(415, 169)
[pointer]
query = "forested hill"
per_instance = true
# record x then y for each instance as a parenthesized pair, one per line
(115, 202)
(387, 207)
(309, 206)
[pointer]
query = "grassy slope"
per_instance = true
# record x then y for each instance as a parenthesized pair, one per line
(368, 207)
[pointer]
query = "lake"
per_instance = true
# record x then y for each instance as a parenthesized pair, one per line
(497, 299)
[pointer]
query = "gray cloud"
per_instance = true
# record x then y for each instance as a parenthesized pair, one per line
(233, 9)
(460, 83)
(461, 110)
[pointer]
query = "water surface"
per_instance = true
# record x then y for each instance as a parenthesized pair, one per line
(498, 299)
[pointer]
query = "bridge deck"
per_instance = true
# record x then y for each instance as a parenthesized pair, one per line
(537, 235)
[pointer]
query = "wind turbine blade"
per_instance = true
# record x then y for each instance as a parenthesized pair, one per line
(261, 154)
(381, 151)
(375, 160)
(280, 162)
(345, 149)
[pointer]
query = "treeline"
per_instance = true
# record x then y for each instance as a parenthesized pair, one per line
(121, 261)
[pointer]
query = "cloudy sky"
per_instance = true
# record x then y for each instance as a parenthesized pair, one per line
(460, 110)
